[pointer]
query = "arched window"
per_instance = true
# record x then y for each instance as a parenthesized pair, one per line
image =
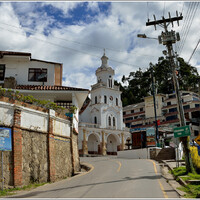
(116, 101)
(96, 100)
(113, 121)
(105, 99)
(110, 83)
(109, 121)
(95, 120)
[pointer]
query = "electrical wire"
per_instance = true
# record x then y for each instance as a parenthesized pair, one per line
(194, 50)
(164, 9)
(192, 9)
(28, 30)
(71, 49)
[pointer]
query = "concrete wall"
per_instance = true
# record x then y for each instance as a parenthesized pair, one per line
(44, 145)
(134, 154)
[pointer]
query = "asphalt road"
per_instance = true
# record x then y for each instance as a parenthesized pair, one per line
(110, 177)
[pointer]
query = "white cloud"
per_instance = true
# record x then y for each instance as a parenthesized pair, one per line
(65, 7)
(82, 43)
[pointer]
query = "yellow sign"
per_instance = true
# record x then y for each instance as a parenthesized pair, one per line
(197, 139)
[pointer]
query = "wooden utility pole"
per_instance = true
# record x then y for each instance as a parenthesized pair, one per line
(167, 38)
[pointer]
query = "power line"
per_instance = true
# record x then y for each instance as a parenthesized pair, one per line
(192, 9)
(28, 30)
(71, 49)
(194, 51)
(164, 9)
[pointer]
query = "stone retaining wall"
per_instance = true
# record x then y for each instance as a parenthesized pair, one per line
(44, 146)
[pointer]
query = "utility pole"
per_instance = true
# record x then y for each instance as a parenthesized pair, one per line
(167, 38)
(154, 101)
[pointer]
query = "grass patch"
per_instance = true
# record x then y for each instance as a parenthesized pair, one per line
(192, 191)
(194, 176)
(179, 171)
(12, 191)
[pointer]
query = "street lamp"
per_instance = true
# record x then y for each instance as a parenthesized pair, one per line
(154, 98)
(144, 36)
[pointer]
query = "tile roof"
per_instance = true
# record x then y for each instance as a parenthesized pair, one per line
(48, 87)
(2, 53)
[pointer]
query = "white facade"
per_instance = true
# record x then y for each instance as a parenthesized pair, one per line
(17, 65)
(26, 71)
(103, 113)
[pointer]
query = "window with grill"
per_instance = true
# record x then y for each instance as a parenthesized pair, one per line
(95, 120)
(113, 121)
(172, 109)
(95, 99)
(109, 121)
(65, 104)
(37, 74)
(186, 107)
(116, 101)
(2, 72)
(110, 83)
(105, 99)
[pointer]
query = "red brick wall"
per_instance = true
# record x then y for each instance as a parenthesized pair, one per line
(51, 150)
(17, 148)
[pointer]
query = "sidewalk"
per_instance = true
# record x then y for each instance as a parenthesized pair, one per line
(169, 165)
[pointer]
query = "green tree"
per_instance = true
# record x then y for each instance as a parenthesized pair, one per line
(138, 84)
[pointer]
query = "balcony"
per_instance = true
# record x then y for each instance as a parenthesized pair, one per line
(89, 125)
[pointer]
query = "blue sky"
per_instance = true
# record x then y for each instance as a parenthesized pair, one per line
(75, 34)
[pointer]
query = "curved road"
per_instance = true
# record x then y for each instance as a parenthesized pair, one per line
(110, 177)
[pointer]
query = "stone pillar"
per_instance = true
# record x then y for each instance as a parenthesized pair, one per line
(103, 144)
(51, 152)
(123, 144)
(17, 148)
(85, 147)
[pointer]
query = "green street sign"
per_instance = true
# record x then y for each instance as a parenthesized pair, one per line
(182, 131)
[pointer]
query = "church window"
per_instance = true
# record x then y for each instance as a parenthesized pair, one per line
(109, 121)
(116, 101)
(113, 121)
(95, 120)
(96, 100)
(110, 83)
(105, 99)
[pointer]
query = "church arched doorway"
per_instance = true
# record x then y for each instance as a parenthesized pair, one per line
(93, 144)
(112, 145)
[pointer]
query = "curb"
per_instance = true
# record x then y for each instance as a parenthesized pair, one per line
(180, 180)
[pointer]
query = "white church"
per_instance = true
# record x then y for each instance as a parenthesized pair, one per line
(101, 127)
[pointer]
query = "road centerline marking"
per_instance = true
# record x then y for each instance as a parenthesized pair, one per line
(161, 186)
(119, 163)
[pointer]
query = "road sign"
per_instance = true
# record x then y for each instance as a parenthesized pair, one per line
(5, 139)
(182, 131)
(150, 131)
(197, 139)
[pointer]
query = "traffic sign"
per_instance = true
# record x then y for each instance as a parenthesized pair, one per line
(182, 131)
(197, 139)
(5, 139)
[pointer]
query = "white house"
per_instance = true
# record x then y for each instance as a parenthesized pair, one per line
(101, 126)
(39, 78)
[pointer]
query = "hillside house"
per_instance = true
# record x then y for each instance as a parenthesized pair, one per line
(39, 78)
